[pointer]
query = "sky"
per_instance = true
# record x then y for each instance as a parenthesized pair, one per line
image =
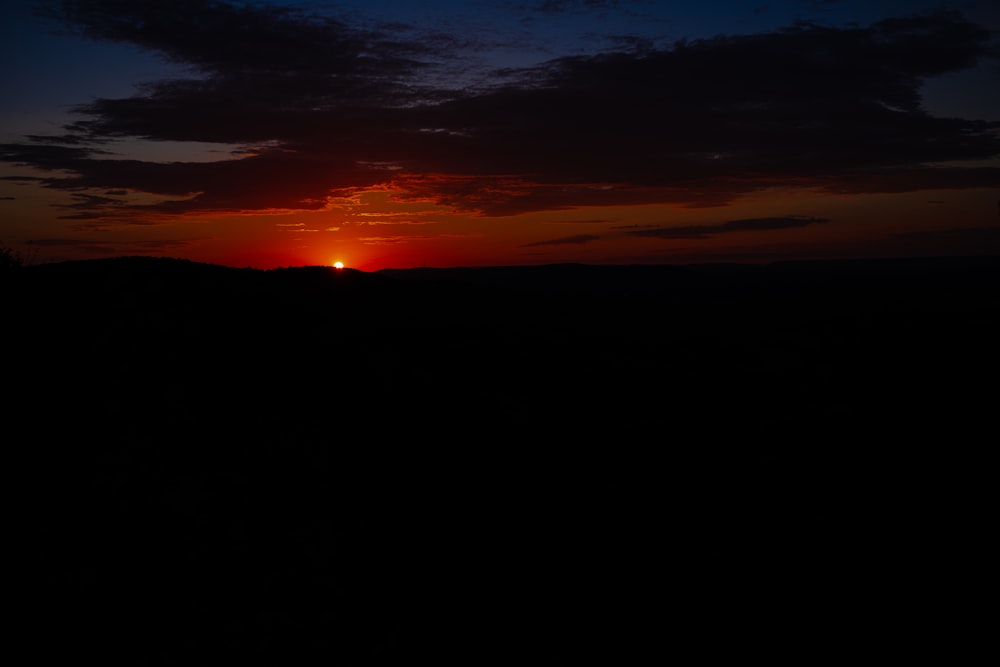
(392, 134)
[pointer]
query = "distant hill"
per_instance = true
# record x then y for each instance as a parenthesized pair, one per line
(552, 279)
(916, 274)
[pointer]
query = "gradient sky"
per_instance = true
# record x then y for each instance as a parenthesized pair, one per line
(499, 132)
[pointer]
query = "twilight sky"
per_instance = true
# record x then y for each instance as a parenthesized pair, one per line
(385, 133)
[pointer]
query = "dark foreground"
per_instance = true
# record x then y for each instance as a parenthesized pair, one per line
(489, 466)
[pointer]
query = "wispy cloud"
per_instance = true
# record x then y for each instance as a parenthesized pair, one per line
(566, 240)
(591, 221)
(392, 240)
(729, 227)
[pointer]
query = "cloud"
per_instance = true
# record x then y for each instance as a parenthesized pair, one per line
(47, 157)
(319, 107)
(87, 202)
(392, 240)
(391, 218)
(226, 41)
(588, 221)
(731, 226)
(563, 6)
(273, 179)
(566, 240)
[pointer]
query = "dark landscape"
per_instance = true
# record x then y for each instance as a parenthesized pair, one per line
(495, 465)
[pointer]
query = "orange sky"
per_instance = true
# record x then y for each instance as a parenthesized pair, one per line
(375, 230)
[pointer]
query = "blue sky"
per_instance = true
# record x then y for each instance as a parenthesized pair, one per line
(46, 73)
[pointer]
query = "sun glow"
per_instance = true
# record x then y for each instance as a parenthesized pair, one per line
(338, 265)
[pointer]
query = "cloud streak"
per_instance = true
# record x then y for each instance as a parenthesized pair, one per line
(729, 227)
(324, 108)
(566, 240)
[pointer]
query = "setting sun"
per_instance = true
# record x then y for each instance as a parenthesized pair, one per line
(338, 265)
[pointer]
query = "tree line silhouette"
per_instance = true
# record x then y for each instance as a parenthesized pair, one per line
(304, 464)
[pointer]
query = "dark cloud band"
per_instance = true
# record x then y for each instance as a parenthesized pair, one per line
(318, 101)
(731, 226)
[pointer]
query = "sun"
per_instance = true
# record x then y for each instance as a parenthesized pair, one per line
(338, 265)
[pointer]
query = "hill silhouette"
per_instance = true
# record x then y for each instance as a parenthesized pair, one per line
(473, 465)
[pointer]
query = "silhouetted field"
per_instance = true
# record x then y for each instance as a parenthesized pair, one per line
(481, 466)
